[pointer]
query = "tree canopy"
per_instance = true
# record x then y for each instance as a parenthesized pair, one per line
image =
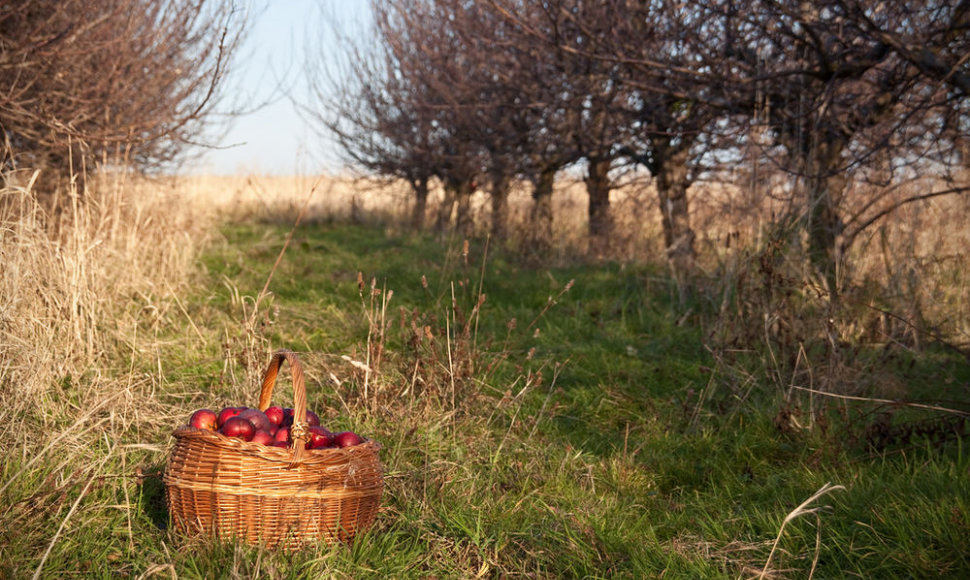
(134, 81)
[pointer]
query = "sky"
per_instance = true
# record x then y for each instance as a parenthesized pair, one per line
(274, 139)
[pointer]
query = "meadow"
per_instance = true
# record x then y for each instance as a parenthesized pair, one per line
(540, 418)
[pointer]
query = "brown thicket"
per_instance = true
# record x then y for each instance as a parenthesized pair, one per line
(131, 81)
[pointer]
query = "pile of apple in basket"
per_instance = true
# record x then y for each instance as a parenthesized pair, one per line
(272, 475)
(270, 427)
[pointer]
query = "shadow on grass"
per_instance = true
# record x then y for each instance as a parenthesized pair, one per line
(152, 497)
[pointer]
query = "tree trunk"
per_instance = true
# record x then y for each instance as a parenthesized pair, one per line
(600, 219)
(447, 206)
(465, 219)
(672, 182)
(500, 204)
(541, 232)
(826, 187)
(420, 186)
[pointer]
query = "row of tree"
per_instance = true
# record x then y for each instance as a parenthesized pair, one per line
(830, 93)
(132, 81)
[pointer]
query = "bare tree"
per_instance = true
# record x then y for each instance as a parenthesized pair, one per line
(374, 114)
(840, 85)
(638, 66)
(932, 37)
(664, 50)
(403, 104)
(546, 109)
(841, 100)
(570, 94)
(92, 82)
(837, 91)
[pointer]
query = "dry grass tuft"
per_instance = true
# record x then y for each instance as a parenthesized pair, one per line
(78, 276)
(81, 279)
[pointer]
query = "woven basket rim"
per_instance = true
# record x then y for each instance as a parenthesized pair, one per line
(330, 455)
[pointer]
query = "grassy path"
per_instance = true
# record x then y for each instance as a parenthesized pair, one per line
(571, 424)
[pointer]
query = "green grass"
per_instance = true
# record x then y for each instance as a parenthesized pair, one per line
(596, 437)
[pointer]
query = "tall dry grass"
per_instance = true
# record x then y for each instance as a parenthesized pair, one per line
(904, 288)
(80, 275)
(85, 281)
(904, 277)
(345, 198)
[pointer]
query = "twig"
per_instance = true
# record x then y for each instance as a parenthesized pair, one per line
(878, 216)
(279, 258)
(481, 286)
(885, 401)
(185, 312)
(70, 513)
(934, 335)
(62, 435)
(451, 364)
(552, 301)
(545, 402)
(801, 510)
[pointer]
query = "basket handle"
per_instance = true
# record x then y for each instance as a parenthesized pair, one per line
(299, 430)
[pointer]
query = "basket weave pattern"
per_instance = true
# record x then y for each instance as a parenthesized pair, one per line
(227, 487)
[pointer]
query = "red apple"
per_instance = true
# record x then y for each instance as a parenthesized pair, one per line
(320, 438)
(203, 419)
(347, 439)
(290, 414)
(258, 419)
(312, 419)
(282, 434)
(239, 428)
(282, 444)
(263, 437)
(275, 415)
(226, 413)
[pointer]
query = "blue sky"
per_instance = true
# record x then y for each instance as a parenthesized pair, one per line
(274, 139)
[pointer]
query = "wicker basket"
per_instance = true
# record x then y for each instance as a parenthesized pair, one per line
(229, 488)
